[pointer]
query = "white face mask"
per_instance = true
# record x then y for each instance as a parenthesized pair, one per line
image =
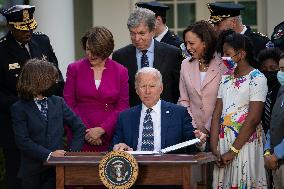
(280, 77)
(229, 63)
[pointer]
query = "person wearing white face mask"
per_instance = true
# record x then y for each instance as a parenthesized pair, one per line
(280, 74)
(236, 131)
(274, 147)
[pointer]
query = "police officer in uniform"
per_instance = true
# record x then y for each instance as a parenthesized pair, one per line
(277, 37)
(19, 45)
(162, 32)
(227, 16)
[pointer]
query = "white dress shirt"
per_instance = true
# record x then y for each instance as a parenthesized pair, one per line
(156, 118)
(150, 55)
(244, 30)
(160, 37)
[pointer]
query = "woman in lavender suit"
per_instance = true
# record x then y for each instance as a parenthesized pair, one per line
(96, 89)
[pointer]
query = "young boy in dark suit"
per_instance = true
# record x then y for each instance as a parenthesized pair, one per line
(38, 123)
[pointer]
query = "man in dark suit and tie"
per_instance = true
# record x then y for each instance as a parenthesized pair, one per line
(16, 47)
(155, 124)
(162, 32)
(145, 51)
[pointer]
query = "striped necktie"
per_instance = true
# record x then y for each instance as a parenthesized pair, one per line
(43, 107)
(144, 59)
(148, 132)
(267, 111)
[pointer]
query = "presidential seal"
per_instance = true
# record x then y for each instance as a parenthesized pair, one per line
(118, 170)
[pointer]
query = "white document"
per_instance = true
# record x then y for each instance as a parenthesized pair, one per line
(168, 149)
(142, 152)
(180, 145)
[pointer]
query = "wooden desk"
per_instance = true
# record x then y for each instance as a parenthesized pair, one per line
(169, 169)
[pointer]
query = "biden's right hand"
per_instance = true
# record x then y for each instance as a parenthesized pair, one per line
(122, 147)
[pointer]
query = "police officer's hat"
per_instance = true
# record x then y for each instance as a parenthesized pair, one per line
(21, 17)
(220, 11)
(277, 36)
(158, 8)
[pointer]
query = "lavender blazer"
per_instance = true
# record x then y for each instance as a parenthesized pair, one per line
(200, 98)
(97, 107)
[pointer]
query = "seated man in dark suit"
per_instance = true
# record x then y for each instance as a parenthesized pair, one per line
(147, 52)
(155, 124)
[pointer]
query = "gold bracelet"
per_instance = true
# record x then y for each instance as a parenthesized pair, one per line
(234, 150)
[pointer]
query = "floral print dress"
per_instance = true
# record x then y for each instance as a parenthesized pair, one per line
(246, 171)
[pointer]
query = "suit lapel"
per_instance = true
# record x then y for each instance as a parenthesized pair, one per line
(165, 119)
(158, 56)
(16, 50)
(195, 76)
(212, 71)
(33, 45)
(34, 109)
(132, 67)
(52, 110)
(135, 122)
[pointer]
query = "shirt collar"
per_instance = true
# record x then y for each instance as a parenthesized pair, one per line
(156, 108)
(160, 37)
(244, 30)
(150, 49)
(35, 99)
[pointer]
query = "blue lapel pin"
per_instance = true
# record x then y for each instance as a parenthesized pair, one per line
(167, 112)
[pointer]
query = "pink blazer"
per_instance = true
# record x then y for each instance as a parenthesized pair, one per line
(97, 107)
(200, 98)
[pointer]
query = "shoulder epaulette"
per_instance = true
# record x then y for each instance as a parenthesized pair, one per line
(2, 39)
(39, 33)
(261, 34)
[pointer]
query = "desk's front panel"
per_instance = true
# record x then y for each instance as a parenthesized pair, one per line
(148, 175)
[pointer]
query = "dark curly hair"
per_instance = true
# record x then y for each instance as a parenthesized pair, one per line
(100, 41)
(36, 77)
(205, 31)
(270, 53)
(221, 38)
(241, 42)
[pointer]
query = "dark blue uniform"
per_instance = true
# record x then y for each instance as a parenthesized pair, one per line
(259, 41)
(172, 39)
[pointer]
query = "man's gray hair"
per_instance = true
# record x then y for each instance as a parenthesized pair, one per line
(141, 15)
(150, 70)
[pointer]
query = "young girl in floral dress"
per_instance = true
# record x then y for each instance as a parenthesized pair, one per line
(236, 133)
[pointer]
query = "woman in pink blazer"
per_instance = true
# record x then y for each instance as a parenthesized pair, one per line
(97, 89)
(200, 74)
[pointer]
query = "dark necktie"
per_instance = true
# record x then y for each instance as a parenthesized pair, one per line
(26, 50)
(144, 59)
(148, 132)
(43, 107)
(267, 111)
